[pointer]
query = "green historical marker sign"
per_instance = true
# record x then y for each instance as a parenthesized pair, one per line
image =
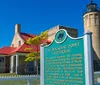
(64, 61)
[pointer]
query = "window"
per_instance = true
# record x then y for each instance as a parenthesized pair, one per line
(19, 43)
(1, 61)
(96, 20)
(12, 45)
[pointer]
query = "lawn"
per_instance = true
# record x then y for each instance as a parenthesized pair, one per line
(20, 82)
(7, 74)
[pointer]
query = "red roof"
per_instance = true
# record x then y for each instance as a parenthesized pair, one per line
(24, 46)
(26, 36)
(6, 50)
(10, 50)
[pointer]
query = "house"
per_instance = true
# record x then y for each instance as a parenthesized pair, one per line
(12, 58)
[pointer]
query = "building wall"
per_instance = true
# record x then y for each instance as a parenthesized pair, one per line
(92, 23)
(7, 64)
(22, 64)
(71, 31)
(52, 32)
(17, 40)
(22, 60)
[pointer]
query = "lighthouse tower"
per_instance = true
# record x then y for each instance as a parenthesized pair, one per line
(92, 23)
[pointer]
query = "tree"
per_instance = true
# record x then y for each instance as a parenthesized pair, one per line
(36, 41)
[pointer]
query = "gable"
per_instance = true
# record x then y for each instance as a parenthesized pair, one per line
(17, 40)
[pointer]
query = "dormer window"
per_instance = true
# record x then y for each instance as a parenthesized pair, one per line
(19, 43)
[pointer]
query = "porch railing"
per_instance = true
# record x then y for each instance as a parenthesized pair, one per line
(22, 69)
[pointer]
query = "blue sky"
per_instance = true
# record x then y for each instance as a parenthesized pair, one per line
(39, 15)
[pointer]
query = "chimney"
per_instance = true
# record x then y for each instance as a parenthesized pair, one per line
(17, 28)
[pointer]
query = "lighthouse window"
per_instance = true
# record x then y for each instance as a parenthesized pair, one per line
(86, 17)
(91, 19)
(96, 19)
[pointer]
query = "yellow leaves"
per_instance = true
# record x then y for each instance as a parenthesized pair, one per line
(29, 41)
(29, 59)
(44, 35)
(36, 41)
(28, 49)
(33, 56)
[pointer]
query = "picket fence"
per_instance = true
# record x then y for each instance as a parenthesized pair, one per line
(28, 78)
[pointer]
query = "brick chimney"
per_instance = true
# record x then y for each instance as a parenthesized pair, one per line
(17, 28)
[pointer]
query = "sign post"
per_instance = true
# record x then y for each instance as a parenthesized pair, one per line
(67, 60)
(89, 72)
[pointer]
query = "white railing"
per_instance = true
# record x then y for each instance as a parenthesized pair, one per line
(29, 78)
(97, 72)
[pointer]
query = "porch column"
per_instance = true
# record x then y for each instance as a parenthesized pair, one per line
(17, 64)
(12, 64)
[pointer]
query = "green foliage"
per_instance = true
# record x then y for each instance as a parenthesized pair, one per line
(33, 56)
(36, 41)
(44, 35)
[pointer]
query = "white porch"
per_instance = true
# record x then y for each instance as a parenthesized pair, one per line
(19, 66)
(14, 64)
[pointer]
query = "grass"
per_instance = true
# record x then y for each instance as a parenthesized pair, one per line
(8, 74)
(20, 82)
